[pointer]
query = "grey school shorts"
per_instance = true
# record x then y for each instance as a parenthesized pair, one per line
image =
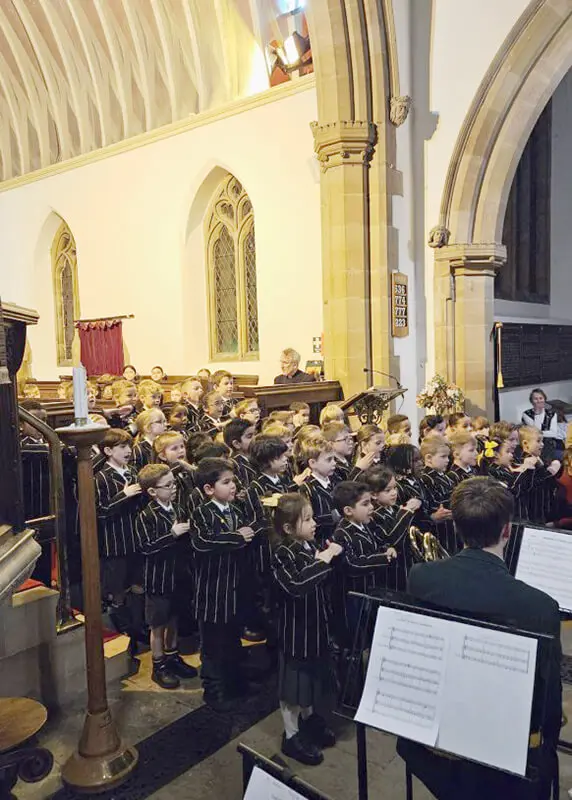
(159, 609)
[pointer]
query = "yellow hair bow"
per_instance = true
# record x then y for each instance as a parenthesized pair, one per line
(490, 447)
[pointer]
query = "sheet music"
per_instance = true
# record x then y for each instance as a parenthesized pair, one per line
(263, 786)
(464, 689)
(545, 562)
(405, 676)
(488, 699)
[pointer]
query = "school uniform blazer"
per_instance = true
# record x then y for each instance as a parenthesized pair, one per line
(362, 559)
(438, 489)
(516, 482)
(408, 488)
(390, 525)
(477, 582)
(341, 472)
(219, 557)
(260, 519)
(116, 511)
(457, 474)
(142, 454)
(156, 541)
(194, 414)
(243, 468)
(303, 631)
(184, 482)
(320, 498)
(209, 425)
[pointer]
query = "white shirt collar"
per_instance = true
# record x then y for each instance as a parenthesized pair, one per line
(123, 471)
(221, 506)
(167, 508)
(325, 482)
(274, 478)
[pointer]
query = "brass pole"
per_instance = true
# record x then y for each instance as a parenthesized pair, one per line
(101, 760)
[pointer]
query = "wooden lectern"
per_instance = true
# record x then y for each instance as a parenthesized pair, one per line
(370, 405)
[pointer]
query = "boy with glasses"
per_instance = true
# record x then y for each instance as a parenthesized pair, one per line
(159, 529)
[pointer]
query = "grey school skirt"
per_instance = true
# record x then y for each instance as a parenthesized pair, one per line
(307, 682)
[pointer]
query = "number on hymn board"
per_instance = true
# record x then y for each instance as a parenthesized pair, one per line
(399, 305)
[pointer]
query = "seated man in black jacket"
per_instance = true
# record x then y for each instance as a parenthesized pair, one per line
(291, 373)
(477, 582)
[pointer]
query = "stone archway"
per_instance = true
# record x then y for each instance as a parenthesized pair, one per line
(355, 58)
(468, 240)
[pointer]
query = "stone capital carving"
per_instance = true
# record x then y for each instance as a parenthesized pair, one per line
(339, 143)
(473, 259)
(399, 109)
(438, 236)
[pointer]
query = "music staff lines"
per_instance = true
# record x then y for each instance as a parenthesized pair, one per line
(407, 710)
(495, 654)
(412, 642)
(409, 676)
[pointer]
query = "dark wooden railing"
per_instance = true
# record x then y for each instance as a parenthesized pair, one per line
(53, 525)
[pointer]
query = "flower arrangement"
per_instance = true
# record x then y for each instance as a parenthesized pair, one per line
(441, 396)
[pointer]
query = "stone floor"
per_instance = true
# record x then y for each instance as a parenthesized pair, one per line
(140, 709)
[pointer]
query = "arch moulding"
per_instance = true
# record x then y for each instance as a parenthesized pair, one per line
(526, 71)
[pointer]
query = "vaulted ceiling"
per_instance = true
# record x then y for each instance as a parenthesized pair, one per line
(76, 75)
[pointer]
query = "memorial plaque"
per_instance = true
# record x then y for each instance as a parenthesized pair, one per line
(535, 354)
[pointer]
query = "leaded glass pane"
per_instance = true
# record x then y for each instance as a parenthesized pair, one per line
(249, 256)
(226, 312)
(65, 292)
(232, 266)
(67, 301)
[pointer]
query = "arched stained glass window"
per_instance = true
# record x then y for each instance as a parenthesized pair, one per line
(231, 272)
(66, 294)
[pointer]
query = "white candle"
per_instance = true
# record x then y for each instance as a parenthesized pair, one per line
(80, 395)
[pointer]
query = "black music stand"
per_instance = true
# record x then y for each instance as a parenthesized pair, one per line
(280, 771)
(355, 677)
(511, 558)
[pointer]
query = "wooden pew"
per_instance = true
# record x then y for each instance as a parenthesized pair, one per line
(317, 395)
(49, 389)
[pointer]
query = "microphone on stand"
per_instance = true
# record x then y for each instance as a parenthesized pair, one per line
(385, 374)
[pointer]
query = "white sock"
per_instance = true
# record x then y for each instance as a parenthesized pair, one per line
(306, 712)
(290, 719)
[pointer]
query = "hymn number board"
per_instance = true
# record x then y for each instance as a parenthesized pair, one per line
(399, 305)
(535, 354)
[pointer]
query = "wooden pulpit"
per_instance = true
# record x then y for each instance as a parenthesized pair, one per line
(13, 323)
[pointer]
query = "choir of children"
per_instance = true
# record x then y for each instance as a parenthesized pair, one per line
(292, 517)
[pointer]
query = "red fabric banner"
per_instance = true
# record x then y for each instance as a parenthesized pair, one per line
(101, 346)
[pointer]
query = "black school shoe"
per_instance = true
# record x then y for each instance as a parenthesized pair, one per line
(299, 749)
(163, 676)
(179, 667)
(315, 730)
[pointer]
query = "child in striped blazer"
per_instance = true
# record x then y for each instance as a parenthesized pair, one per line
(118, 500)
(306, 679)
(161, 529)
(220, 540)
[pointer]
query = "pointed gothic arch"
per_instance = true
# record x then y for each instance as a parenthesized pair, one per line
(66, 292)
(231, 274)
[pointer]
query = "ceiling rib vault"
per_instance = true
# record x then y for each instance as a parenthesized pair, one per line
(77, 75)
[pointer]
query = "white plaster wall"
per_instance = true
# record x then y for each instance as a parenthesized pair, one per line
(140, 247)
(465, 38)
(512, 402)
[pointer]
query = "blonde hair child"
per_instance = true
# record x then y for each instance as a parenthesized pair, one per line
(150, 394)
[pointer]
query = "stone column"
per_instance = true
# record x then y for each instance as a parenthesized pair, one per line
(344, 150)
(464, 319)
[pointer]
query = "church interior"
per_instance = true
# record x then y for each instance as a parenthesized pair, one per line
(298, 231)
